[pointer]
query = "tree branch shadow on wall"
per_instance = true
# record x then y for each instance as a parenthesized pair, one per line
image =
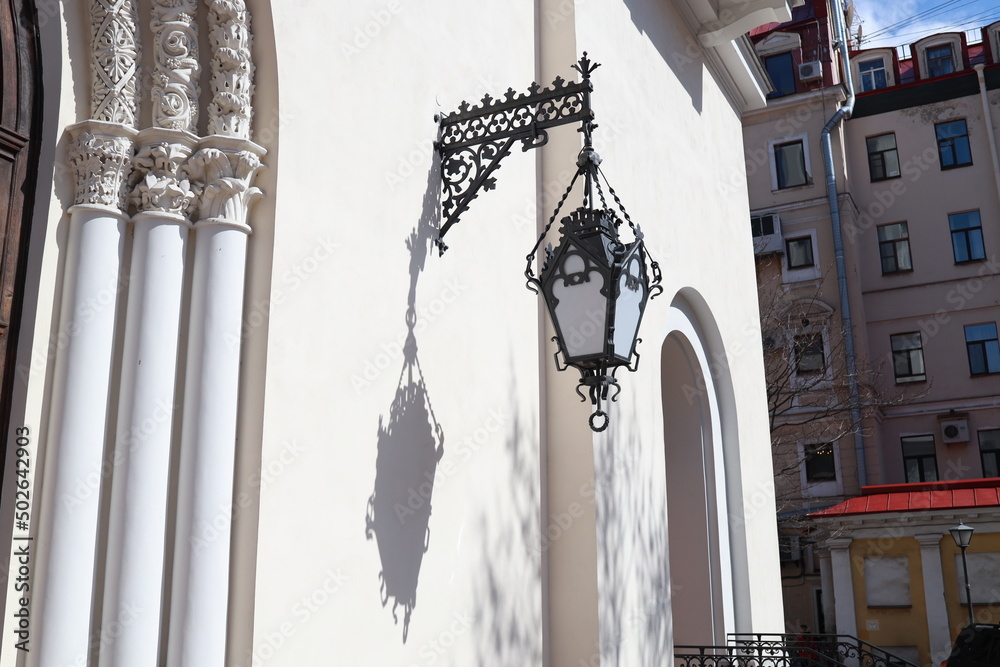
(410, 445)
(506, 619)
(632, 547)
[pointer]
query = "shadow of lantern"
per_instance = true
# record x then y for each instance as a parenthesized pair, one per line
(409, 448)
(410, 444)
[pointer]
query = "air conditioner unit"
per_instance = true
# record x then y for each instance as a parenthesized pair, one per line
(788, 548)
(766, 234)
(810, 71)
(954, 430)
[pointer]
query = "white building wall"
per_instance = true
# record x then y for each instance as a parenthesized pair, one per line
(676, 160)
(331, 443)
(356, 211)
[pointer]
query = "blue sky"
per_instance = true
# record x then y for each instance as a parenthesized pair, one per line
(924, 17)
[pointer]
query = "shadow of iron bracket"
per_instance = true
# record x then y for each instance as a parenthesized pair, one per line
(473, 140)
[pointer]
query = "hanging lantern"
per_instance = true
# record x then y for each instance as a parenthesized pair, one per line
(596, 288)
(594, 285)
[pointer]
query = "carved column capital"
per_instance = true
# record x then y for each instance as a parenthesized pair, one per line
(114, 57)
(100, 155)
(223, 171)
(160, 184)
(176, 67)
(230, 111)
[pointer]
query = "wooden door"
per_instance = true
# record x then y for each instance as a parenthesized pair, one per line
(20, 116)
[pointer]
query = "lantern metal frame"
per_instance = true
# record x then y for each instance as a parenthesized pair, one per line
(597, 228)
(473, 141)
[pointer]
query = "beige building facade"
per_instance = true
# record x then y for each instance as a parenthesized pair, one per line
(917, 181)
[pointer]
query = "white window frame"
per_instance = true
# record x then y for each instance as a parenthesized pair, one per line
(993, 31)
(811, 381)
(806, 272)
(873, 54)
(804, 138)
(778, 42)
(833, 487)
(952, 39)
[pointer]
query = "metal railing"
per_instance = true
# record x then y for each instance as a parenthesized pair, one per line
(787, 655)
(844, 650)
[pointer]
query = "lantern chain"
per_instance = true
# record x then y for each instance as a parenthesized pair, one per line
(529, 272)
(655, 288)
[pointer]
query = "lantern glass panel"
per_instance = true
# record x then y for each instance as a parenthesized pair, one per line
(581, 311)
(628, 305)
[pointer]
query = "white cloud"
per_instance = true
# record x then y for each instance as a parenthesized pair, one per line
(878, 14)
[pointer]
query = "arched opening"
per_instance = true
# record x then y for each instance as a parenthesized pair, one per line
(700, 556)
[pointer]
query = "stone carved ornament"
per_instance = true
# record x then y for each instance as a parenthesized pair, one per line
(230, 111)
(114, 61)
(175, 76)
(223, 181)
(162, 186)
(102, 164)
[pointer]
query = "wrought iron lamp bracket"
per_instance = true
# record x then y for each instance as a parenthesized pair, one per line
(473, 140)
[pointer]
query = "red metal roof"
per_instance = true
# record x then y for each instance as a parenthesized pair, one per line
(764, 29)
(963, 494)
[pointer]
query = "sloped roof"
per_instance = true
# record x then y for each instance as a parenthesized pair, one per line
(919, 497)
(800, 13)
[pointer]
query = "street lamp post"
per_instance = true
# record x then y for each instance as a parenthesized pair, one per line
(962, 535)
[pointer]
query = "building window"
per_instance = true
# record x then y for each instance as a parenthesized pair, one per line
(983, 347)
(809, 354)
(940, 60)
(918, 458)
(883, 160)
(820, 464)
(989, 452)
(894, 247)
(790, 164)
(953, 144)
(781, 69)
(966, 236)
(799, 252)
(762, 225)
(872, 74)
(908, 357)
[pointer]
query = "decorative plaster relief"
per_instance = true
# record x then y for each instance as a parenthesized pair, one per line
(102, 163)
(230, 111)
(114, 60)
(162, 186)
(175, 75)
(222, 177)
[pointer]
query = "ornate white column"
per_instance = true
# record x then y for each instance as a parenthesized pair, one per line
(100, 154)
(161, 200)
(137, 533)
(225, 166)
(843, 585)
(938, 628)
(211, 391)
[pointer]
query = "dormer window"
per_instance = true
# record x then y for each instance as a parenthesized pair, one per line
(872, 74)
(940, 60)
(874, 69)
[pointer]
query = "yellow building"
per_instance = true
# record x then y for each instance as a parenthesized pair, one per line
(895, 573)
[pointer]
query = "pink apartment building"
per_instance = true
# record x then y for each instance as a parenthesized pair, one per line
(898, 439)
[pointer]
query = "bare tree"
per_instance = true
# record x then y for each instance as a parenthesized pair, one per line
(808, 394)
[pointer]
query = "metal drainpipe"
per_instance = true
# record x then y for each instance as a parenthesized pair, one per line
(843, 113)
(988, 118)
